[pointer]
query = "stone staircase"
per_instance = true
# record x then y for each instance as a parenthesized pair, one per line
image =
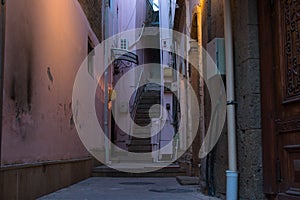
(140, 143)
(141, 136)
(169, 171)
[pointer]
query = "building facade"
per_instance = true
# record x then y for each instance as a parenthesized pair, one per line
(205, 24)
(265, 58)
(45, 44)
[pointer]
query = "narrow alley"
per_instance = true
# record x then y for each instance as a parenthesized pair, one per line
(128, 188)
(150, 99)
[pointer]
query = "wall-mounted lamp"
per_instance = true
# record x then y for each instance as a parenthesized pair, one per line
(112, 94)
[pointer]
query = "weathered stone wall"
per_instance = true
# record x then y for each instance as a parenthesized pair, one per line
(247, 80)
(41, 150)
(93, 11)
(215, 165)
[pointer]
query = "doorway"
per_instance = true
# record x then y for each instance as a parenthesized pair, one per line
(280, 75)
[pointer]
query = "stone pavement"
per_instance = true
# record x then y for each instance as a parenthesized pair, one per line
(128, 189)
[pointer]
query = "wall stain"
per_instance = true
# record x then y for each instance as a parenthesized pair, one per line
(21, 87)
(72, 122)
(50, 77)
(65, 110)
(12, 90)
(29, 86)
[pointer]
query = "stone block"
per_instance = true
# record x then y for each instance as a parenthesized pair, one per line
(188, 180)
(250, 164)
(252, 12)
(248, 112)
(246, 43)
(221, 164)
(248, 78)
(253, 42)
(249, 147)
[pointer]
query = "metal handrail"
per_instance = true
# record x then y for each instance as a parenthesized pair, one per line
(139, 90)
(149, 4)
(152, 4)
(133, 108)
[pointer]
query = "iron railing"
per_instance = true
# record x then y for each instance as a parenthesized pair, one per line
(139, 90)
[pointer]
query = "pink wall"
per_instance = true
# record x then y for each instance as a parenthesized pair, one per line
(46, 41)
(125, 16)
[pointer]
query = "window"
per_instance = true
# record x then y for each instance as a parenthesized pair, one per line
(123, 44)
(111, 5)
(155, 4)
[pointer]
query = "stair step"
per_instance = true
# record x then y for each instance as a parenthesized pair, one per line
(142, 116)
(140, 158)
(142, 120)
(143, 123)
(140, 148)
(149, 93)
(146, 115)
(153, 89)
(141, 136)
(144, 106)
(170, 171)
(149, 101)
(152, 95)
(146, 111)
(141, 131)
(140, 142)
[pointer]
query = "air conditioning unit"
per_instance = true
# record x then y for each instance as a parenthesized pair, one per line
(168, 72)
(174, 86)
(216, 50)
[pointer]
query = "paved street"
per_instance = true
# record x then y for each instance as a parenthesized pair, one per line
(128, 188)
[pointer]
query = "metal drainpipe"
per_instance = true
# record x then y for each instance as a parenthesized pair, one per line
(2, 40)
(106, 130)
(188, 116)
(231, 174)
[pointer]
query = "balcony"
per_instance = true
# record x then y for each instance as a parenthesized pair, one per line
(152, 16)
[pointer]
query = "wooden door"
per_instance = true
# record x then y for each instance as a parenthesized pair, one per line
(280, 75)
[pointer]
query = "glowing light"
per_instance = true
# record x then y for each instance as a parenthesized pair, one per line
(156, 5)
